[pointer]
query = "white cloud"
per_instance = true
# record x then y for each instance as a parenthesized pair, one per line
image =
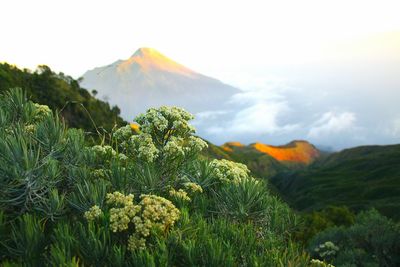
(257, 112)
(210, 114)
(332, 123)
(262, 117)
(394, 129)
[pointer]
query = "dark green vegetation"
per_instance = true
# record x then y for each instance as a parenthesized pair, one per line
(65, 203)
(372, 240)
(360, 178)
(77, 106)
(317, 221)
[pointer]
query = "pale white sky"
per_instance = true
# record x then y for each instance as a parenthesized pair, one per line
(326, 71)
(212, 37)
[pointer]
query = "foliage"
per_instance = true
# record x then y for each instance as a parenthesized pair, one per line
(317, 221)
(64, 202)
(373, 240)
(245, 201)
(372, 170)
(60, 92)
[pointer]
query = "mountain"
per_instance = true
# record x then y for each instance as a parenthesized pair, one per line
(150, 79)
(360, 178)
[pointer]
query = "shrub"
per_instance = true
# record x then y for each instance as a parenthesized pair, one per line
(245, 200)
(65, 201)
(372, 240)
(165, 138)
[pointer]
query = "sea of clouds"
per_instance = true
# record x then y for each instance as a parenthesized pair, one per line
(333, 107)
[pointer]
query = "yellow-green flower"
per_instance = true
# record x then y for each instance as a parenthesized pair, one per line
(153, 212)
(93, 213)
(193, 187)
(229, 171)
(180, 194)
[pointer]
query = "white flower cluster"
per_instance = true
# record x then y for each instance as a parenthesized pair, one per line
(174, 147)
(193, 187)
(229, 171)
(179, 147)
(93, 213)
(136, 242)
(144, 147)
(104, 150)
(179, 194)
(30, 128)
(99, 173)
(157, 120)
(196, 144)
(318, 263)
(160, 211)
(183, 195)
(107, 152)
(123, 134)
(122, 157)
(153, 212)
(121, 217)
(164, 131)
(41, 112)
(327, 249)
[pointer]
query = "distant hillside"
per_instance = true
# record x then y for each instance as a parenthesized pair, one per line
(150, 79)
(359, 177)
(295, 151)
(60, 92)
(265, 160)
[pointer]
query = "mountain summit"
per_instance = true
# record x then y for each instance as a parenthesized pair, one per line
(150, 79)
(151, 59)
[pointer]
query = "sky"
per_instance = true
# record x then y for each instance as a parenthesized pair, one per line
(325, 71)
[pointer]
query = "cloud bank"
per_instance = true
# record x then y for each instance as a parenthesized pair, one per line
(346, 112)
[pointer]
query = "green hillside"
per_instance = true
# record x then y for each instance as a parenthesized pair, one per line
(360, 178)
(61, 92)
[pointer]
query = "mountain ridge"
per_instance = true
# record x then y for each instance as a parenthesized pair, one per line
(296, 151)
(299, 151)
(151, 79)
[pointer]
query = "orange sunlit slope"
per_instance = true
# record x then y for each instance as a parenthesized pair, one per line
(149, 58)
(296, 151)
(228, 146)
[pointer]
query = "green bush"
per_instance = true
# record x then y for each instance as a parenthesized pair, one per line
(138, 198)
(373, 240)
(245, 201)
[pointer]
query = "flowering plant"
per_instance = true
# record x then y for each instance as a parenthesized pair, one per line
(228, 171)
(165, 139)
(151, 213)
